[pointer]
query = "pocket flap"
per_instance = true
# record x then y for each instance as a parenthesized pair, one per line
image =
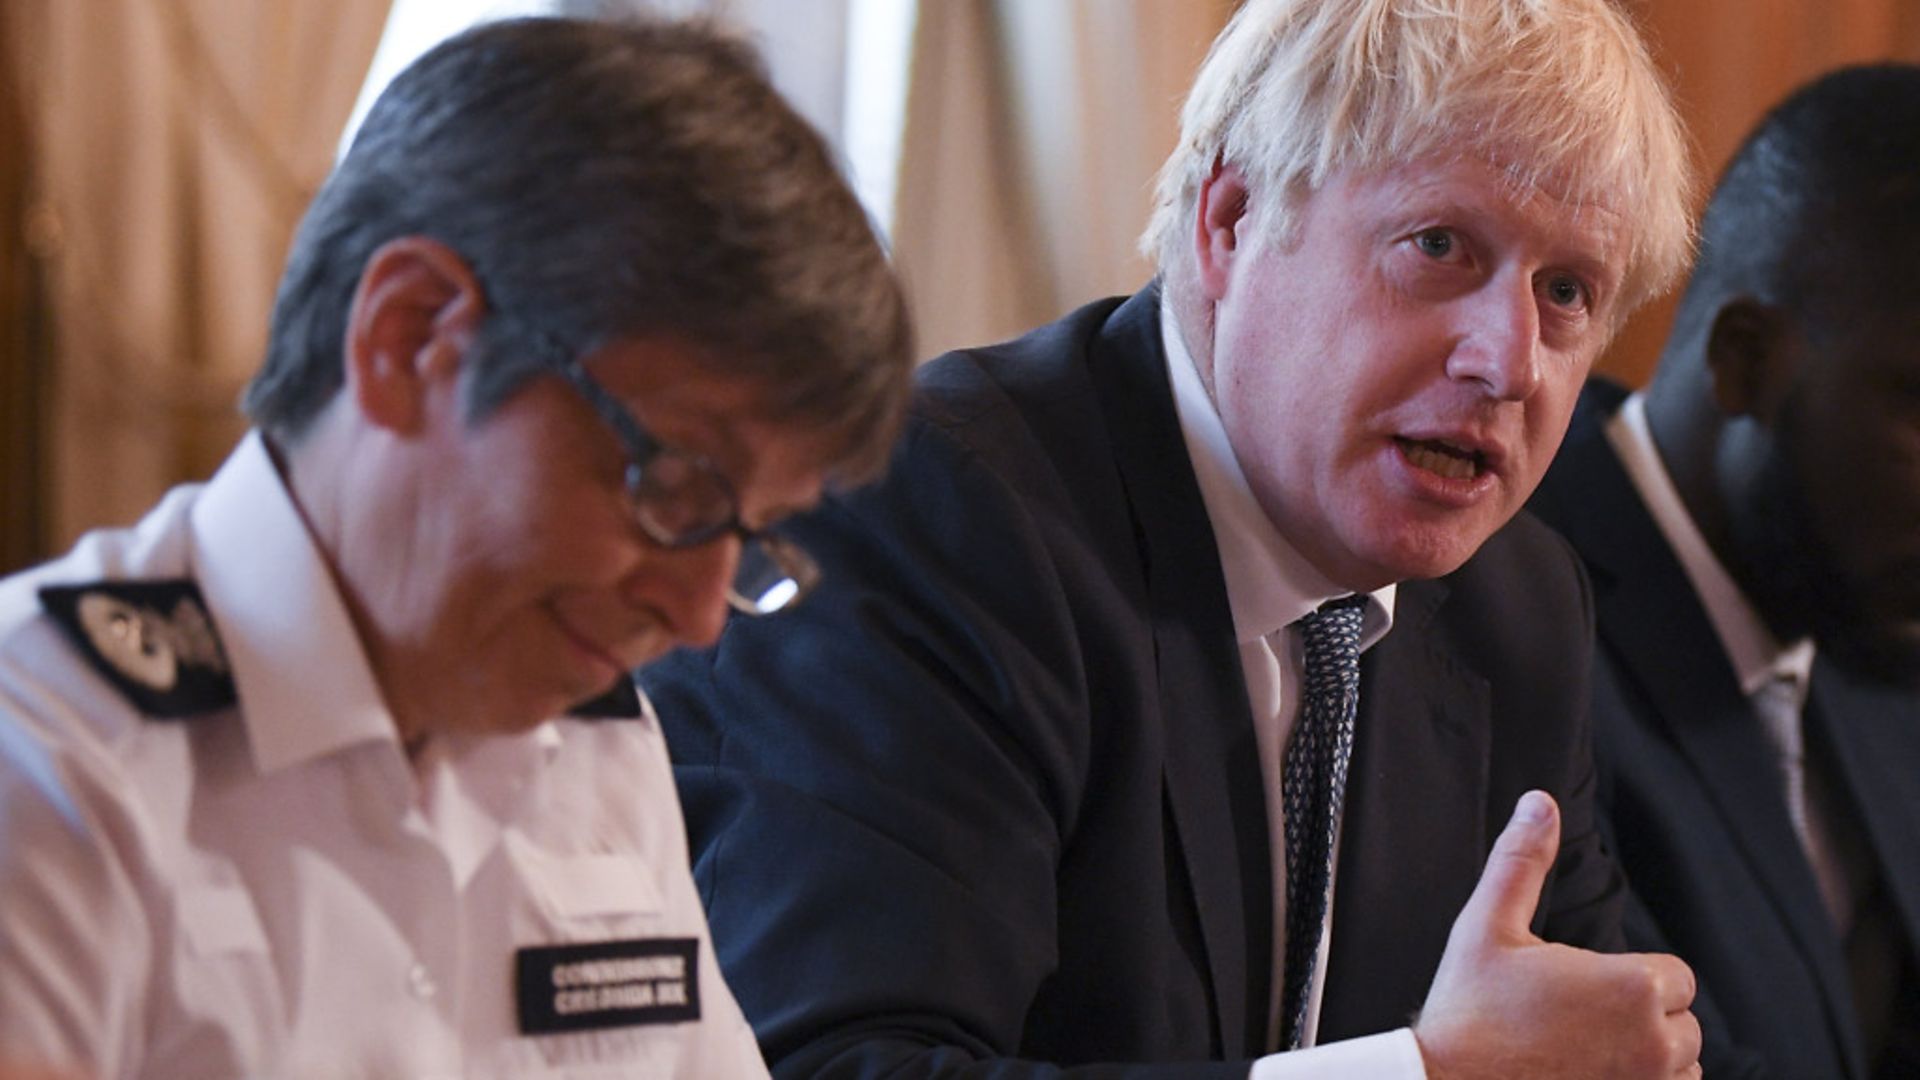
(583, 886)
(220, 919)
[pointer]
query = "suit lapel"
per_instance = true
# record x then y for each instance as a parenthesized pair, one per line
(1416, 795)
(1214, 789)
(1653, 626)
(1874, 733)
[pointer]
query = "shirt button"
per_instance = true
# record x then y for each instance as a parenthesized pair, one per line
(420, 981)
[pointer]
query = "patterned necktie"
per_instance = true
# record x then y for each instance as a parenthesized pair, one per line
(1313, 783)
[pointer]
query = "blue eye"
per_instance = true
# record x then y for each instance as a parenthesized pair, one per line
(1434, 243)
(1565, 291)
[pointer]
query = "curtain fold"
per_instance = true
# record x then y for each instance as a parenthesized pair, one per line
(175, 144)
(1033, 133)
(157, 155)
(23, 523)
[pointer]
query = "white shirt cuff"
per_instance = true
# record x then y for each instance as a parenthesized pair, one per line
(1392, 1055)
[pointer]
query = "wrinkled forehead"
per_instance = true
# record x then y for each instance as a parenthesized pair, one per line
(1603, 187)
(1593, 203)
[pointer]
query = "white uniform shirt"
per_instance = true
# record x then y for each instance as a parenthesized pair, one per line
(273, 889)
(1269, 587)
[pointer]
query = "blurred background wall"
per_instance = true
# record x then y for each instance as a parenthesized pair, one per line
(155, 156)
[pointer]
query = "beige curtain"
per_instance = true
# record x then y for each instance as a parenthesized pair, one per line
(174, 145)
(1731, 60)
(1033, 133)
(157, 154)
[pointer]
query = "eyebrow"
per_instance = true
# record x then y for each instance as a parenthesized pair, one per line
(1422, 202)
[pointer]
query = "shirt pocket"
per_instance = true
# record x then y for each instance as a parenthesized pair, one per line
(587, 892)
(221, 995)
(218, 920)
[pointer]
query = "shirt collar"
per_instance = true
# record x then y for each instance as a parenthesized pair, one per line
(1757, 656)
(304, 683)
(1269, 583)
(305, 686)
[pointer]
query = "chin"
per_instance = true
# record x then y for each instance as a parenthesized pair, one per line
(1420, 555)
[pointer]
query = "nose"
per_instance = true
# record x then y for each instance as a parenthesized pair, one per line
(1498, 344)
(688, 586)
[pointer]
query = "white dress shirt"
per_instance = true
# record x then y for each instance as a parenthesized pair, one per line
(274, 889)
(1774, 677)
(1269, 587)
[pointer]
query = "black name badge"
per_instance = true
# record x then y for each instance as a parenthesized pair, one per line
(607, 984)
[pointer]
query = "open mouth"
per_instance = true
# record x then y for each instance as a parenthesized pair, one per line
(1444, 458)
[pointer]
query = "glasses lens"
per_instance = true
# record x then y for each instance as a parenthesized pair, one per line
(774, 574)
(680, 499)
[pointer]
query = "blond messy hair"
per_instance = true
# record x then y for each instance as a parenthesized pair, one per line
(1561, 94)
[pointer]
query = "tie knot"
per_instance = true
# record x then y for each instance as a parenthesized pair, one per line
(1330, 644)
(1334, 624)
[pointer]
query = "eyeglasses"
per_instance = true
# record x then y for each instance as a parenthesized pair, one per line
(681, 500)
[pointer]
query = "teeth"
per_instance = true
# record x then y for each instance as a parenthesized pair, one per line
(1453, 466)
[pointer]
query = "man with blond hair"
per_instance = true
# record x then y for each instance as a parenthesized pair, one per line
(1191, 663)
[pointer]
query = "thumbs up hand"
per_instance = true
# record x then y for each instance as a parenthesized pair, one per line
(1504, 1003)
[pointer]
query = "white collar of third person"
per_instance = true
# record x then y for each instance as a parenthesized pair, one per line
(1269, 583)
(1756, 654)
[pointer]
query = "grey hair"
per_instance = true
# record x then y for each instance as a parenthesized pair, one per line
(604, 182)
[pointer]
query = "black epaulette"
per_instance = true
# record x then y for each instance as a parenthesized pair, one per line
(620, 703)
(151, 639)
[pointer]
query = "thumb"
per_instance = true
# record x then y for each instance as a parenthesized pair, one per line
(1502, 904)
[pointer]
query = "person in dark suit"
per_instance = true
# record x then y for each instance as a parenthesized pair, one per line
(1020, 788)
(1751, 521)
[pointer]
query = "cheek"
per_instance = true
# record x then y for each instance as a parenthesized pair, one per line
(547, 533)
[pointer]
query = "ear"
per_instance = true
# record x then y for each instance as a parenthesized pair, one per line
(1220, 211)
(1751, 350)
(412, 320)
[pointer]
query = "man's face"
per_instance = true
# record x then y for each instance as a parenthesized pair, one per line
(527, 583)
(1396, 378)
(1825, 507)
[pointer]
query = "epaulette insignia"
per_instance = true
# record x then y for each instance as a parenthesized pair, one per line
(620, 703)
(151, 639)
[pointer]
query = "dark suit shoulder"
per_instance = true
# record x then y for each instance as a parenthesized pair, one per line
(1027, 401)
(1042, 365)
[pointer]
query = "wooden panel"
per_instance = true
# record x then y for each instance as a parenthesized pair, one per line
(1729, 61)
(23, 523)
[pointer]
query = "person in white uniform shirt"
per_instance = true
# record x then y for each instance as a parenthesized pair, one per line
(333, 766)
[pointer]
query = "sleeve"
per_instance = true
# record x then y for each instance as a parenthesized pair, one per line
(880, 785)
(1390, 1055)
(74, 947)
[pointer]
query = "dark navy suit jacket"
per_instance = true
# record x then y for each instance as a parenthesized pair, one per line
(991, 798)
(1691, 787)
